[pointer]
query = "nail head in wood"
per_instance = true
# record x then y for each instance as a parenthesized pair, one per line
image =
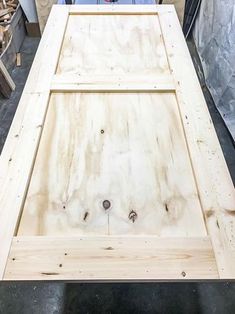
(132, 216)
(106, 204)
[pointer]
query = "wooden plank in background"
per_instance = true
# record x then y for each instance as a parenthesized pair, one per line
(7, 85)
(43, 11)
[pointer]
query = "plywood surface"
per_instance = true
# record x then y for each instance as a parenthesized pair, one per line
(125, 148)
(113, 45)
(112, 169)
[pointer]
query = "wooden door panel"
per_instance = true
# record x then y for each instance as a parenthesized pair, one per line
(112, 169)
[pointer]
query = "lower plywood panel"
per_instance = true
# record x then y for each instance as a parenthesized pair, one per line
(126, 149)
(110, 258)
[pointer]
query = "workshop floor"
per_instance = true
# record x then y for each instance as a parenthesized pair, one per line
(34, 297)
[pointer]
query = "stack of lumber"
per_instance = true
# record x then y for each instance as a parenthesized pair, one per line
(7, 85)
(7, 9)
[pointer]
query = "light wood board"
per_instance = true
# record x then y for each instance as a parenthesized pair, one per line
(112, 169)
(111, 258)
(7, 85)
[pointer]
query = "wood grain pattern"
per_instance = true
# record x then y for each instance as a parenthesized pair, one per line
(126, 148)
(17, 158)
(110, 258)
(214, 183)
(113, 45)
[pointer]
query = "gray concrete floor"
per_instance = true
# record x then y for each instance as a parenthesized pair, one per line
(159, 298)
(60, 297)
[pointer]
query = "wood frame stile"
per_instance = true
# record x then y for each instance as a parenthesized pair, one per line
(87, 258)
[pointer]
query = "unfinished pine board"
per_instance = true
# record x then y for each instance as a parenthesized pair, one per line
(7, 85)
(111, 258)
(15, 161)
(121, 83)
(112, 169)
(214, 183)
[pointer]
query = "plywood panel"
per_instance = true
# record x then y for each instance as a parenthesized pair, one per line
(126, 148)
(113, 45)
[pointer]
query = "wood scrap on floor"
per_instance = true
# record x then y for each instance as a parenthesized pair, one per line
(18, 59)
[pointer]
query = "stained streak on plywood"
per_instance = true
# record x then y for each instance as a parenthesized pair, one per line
(128, 149)
(110, 258)
(109, 45)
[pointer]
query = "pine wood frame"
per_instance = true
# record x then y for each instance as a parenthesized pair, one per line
(116, 258)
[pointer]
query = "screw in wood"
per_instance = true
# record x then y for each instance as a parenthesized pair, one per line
(132, 216)
(183, 273)
(106, 204)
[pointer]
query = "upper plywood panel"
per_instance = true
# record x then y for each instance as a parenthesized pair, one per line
(113, 44)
